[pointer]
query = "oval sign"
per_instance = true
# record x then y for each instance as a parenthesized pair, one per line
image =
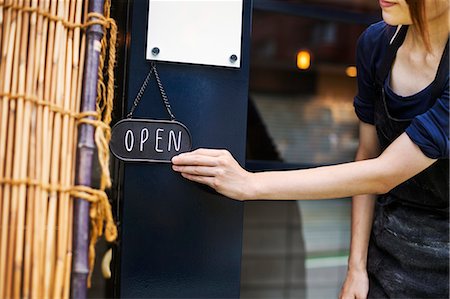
(149, 140)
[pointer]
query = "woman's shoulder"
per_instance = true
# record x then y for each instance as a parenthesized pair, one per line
(377, 35)
(372, 45)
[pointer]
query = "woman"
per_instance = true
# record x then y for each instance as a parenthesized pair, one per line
(400, 242)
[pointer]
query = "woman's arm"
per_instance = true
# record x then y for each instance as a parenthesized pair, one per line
(218, 169)
(356, 284)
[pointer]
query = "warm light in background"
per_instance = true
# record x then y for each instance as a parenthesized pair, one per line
(351, 71)
(303, 60)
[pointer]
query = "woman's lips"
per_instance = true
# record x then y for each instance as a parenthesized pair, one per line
(384, 3)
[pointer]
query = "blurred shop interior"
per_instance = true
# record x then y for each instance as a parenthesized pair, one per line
(302, 84)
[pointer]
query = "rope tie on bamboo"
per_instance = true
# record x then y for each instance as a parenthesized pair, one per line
(94, 18)
(94, 196)
(51, 106)
(105, 92)
(82, 117)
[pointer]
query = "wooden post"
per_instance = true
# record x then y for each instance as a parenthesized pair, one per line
(86, 146)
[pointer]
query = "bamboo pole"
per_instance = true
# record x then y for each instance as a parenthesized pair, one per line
(58, 88)
(77, 69)
(42, 129)
(5, 134)
(3, 39)
(77, 77)
(15, 107)
(4, 87)
(66, 286)
(30, 117)
(65, 164)
(41, 195)
(2, 2)
(29, 221)
(48, 117)
(29, 224)
(21, 146)
(39, 213)
(7, 193)
(86, 148)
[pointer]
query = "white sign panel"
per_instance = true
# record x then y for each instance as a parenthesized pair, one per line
(195, 31)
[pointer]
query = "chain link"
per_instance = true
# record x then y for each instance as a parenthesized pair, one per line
(141, 91)
(163, 92)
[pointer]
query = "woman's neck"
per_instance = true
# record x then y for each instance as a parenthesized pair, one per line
(438, 32)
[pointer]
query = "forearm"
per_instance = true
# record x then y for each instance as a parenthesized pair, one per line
(344, 180)
(399, 162)
(362, 218)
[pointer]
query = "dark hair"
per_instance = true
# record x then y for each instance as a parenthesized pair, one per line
(418, 16)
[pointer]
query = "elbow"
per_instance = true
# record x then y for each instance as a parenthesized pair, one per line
(384, 178)
(388, 179)
(383, 186)
(401, 161)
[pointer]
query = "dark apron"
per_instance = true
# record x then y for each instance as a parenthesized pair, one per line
(409, 246)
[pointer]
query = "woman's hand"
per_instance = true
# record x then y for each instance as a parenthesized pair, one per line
(356, 285)
(217, 169)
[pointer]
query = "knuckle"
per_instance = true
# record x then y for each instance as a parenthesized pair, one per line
(200, 151)
(216, 184)
(223, 160)
(220, 172)
(195, 171)
(223, 152)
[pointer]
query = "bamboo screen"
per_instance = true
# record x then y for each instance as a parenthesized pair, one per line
(42, 46)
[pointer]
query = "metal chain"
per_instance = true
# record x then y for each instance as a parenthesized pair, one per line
(163, 92)
(139, 95)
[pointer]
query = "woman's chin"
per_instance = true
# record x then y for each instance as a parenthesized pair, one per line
(394, 20)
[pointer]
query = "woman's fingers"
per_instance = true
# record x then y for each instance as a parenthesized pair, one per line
(209, 152)
(196, 170)
(194, 160)
(199, 179)
(200, 157)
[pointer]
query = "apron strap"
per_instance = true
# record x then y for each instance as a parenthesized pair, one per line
(441, 75)
(391, 52)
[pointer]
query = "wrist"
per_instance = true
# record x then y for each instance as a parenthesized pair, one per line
(357, 265)
(251, 187)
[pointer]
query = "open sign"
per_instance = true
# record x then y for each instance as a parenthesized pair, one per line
(148, 140)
